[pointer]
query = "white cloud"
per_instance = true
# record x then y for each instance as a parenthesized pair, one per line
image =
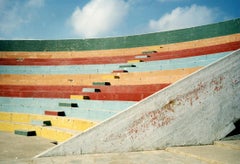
(13, 14)
(98, 17)
(183, 18)
(35, 3)
(169, 0)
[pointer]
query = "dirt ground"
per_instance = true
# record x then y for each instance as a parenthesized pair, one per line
(17, 147)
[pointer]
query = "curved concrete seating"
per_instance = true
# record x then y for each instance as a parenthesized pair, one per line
(61, 122)
(133, 78)
(60, 70)
(188, 43)
(118, 92)
(93, 110)
(59, 129)
(182, 114)
(172, 54)
(45, 132)
(108, 68)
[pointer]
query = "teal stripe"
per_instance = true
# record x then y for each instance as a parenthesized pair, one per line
(188, 34)
(89, 109)
(108, 68)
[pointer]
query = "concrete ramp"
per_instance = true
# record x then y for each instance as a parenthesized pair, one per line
(196, 110)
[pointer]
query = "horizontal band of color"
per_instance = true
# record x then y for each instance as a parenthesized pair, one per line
(91, 96)
(94, 110)
(78, 89)
(133, 78)
(123, 93)
(121, 52)
(45, 132)
(188, 34)
(61, 122)
(122, 59)
(172, 64)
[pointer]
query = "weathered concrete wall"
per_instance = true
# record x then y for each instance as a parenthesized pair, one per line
(196, 110)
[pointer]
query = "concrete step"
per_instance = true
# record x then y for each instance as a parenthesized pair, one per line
(220, 152)
(25, 132)
(41, 122)
(54, 113)
(234, 144)
(49, 132)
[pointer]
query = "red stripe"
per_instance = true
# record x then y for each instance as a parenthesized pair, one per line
(125, 92)
(123, 59)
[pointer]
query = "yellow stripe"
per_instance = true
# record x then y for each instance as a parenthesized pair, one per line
(134, 61)
(132, 78)
(44, 132)
(63, 122)
(77, 97)
(126, 51)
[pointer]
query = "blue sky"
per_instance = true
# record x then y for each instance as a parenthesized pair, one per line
(64, 19)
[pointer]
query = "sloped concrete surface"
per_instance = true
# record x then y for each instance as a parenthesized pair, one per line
(194, 111)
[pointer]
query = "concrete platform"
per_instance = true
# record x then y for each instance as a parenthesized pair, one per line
(151, 157)
(220, 152)
(209, 153)
(21, 149)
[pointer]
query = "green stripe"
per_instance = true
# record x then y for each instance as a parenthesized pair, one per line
(189, 34)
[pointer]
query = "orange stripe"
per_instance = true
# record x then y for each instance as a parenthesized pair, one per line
(126, 51)
(133, 78)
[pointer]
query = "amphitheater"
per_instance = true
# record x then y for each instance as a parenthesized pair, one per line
(164, 97)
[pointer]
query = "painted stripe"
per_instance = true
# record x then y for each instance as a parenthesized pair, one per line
(123, 93)
(175, 36)
(90, 110)
(172, 64)
(98, 54)
(121, 59)
(133, 78)
(62, 122)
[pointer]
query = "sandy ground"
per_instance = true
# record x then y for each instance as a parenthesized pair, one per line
(17, 148)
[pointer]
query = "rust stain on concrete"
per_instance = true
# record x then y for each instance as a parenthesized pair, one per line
(152, 120)
(217, 83)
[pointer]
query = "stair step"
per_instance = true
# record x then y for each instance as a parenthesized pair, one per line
(135, 61)
(149, 52)
(127, 65)
(25, 132)
(233, 144)
(78, 97)
(101, 83)
(208, 153)
(73, 105)
(119, 71)
(92, 90)
(54, 113)
(110, 77)
(41, 123)
(142, 56)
